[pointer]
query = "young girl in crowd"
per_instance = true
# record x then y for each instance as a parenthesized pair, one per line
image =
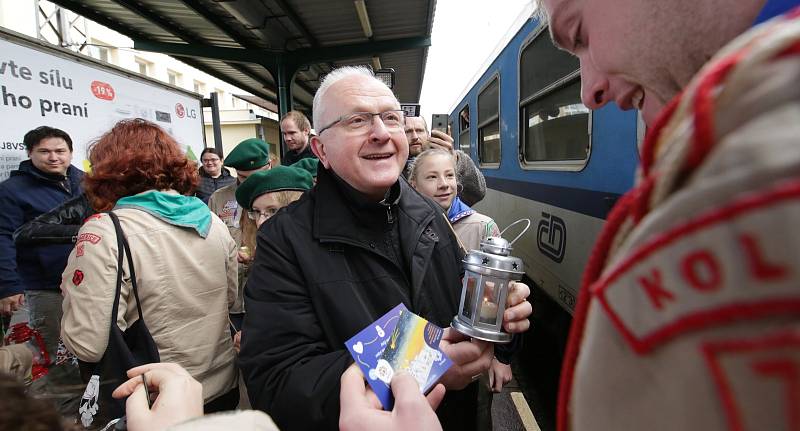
(434, 175)
(264, 193)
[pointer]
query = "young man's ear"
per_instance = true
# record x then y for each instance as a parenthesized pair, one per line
(318, 148)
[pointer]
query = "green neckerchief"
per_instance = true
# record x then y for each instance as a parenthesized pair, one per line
(175, 209)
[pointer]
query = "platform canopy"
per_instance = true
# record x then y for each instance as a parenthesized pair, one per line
(277, 49)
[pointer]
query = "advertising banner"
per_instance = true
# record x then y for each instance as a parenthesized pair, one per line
(42, 85)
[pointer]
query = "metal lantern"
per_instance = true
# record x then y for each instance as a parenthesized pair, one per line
(487, 274)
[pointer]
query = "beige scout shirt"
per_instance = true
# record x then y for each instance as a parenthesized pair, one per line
(186, 286)
(693, 324)
(223, 203)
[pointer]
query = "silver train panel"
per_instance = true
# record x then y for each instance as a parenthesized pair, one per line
(555, 249)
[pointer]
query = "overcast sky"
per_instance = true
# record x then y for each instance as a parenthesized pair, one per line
(465, 32)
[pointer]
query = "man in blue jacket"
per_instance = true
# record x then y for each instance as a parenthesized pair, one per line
(39, 185)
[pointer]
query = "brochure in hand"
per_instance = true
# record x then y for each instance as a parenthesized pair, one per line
(399, 341)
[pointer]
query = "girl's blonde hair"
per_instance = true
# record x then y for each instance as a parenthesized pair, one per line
(249, 229)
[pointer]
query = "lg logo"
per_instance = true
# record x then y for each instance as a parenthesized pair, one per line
(551, 237)
(181, 111)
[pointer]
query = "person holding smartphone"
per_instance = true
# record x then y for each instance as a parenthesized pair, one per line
(471, 183)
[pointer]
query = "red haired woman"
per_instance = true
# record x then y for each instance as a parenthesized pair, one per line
(183, 256)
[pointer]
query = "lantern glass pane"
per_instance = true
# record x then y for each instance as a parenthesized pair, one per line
(491, 291)
(469, 296)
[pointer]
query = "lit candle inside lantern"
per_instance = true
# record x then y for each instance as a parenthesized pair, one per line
(482, 305)
(488, 311)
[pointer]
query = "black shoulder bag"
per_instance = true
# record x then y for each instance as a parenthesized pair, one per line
(126, 349)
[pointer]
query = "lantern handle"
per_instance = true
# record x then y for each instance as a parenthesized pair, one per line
(521, 233)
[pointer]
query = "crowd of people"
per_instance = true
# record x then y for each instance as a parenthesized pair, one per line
(261, 277)
(190, 252)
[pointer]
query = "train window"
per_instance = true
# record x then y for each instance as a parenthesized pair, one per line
(542, 64)
(489, 124)
(489, 143)
(463, 141)
(463, 118)
(463, 129)
(554, 124)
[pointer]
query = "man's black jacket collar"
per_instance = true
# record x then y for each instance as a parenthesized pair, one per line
(339, 204)
(224, 172)
(343, 214)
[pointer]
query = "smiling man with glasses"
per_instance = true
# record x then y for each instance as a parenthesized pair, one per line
(353, 247)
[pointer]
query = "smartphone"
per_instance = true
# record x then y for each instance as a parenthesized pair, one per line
(439, 122)
(147, 391)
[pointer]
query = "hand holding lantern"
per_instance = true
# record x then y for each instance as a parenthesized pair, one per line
(489, 274)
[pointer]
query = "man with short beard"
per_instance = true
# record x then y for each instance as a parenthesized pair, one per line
(296, 130)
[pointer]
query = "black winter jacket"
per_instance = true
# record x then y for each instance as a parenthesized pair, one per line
(290, 157)
(320, 276)
(208, 184)
(59, 226)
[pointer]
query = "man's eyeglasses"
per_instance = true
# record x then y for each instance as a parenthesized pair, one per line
(361, 121)
(257, 215)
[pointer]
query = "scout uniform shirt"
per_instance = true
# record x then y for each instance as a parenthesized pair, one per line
(223, 203)
(689, 314)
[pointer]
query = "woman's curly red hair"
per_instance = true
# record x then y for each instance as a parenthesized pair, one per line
(135, 156)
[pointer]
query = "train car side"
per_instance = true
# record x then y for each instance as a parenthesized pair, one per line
(564, 170)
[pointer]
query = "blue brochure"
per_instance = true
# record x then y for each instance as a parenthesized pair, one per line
(413, 346)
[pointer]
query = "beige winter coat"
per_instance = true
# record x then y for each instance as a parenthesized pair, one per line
(474, 228)
(186, 285)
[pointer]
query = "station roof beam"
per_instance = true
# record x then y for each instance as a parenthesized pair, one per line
(277, 49)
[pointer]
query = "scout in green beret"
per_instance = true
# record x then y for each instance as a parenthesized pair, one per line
(248, 156)
(309, 164)
(263, 193)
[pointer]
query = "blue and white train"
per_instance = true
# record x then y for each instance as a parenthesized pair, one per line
(545, 155)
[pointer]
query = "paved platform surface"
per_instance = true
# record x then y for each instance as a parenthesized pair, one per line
(511, 410)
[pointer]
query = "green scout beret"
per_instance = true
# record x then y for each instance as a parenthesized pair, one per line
(309, 164)
(276, 179)
(250, 154)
